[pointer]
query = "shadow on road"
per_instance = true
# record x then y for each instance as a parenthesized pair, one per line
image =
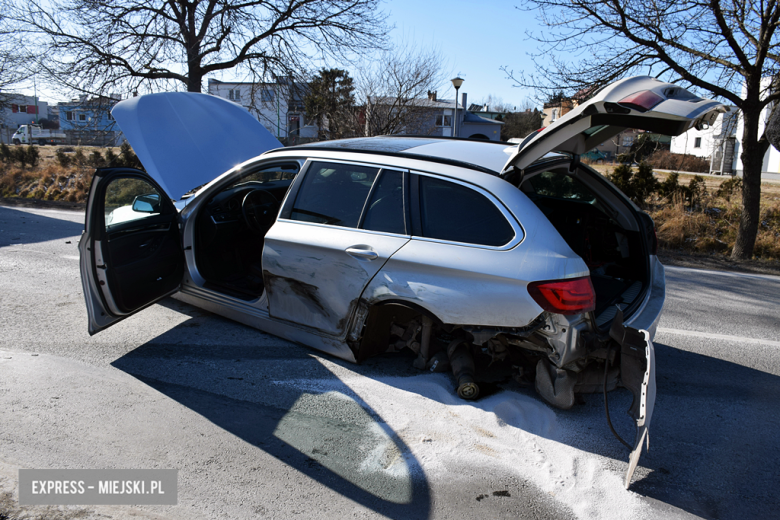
(22, 227)
(332, 437)
(713, 436)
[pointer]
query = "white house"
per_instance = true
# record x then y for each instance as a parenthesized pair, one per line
(718, 142)
(771, 163)
(278, 106)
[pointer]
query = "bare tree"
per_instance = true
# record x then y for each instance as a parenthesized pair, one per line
(99, 46)
(496, 104)
(723, 47)
(396, 90)
(14, 59)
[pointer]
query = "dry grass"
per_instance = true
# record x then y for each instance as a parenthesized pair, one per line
(711, 226)
(49, 180)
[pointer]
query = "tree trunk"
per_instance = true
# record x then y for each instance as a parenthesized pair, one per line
(752, 159)
(194, 82)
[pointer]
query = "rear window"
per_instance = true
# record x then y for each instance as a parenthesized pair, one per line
(454, 212)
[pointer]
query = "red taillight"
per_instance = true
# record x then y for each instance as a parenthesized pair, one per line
(573, 296)
(641, 101)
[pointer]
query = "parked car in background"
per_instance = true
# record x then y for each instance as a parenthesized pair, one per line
(449, 248)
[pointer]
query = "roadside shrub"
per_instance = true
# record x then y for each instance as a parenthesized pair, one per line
(127, 157)
(110, 158)
(670, 187)
(33, 156)
(96, 160)
(621, 177)
(727, 188)
(19, 154)
(78, 158)
(63, 159)
(665, 160)
(5, 153)
(643, 184)
(637, 186)
(697, 191)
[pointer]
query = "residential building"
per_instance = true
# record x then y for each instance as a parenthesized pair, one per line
(20, 110)
(279, 106)
(484, 111)
(771, 162)
(718, 142)
(88, 121)
(553, 110)
(428, 116)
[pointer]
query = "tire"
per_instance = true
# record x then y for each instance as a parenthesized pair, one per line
(17, 142)
(41, 142)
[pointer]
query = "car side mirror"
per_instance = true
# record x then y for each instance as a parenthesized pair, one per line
(146, 203)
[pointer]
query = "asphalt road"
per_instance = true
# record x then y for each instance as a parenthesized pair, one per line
(260, 427)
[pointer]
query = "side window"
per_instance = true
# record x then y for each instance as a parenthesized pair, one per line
(130, 199)
(333, 194)
(385, 211)
(453, 212)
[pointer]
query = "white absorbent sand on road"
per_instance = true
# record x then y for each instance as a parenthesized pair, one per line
(516, 432)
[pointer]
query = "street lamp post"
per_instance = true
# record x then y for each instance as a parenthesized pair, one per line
(456, 82)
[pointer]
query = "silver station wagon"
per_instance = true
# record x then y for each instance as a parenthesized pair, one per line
(449, 248)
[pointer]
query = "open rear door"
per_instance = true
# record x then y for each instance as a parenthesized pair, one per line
(131, 253)
(641, 102)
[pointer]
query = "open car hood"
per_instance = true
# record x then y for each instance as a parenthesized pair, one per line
(185, 139)
(641, 102)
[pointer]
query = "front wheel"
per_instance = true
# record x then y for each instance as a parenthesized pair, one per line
(41, 142)
(17, 142)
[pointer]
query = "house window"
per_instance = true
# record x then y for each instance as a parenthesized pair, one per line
(266, 96)
(628, 140)
(23, 108)
(82, 117)
(234, 94)
(554, 115)
(443, 120)
(697, 142)
(69, 116)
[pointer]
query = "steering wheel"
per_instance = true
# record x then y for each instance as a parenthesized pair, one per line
(259, 209)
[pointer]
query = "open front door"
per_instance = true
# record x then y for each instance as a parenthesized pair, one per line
(130, 250)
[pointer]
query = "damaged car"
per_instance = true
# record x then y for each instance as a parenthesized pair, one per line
(446, 247)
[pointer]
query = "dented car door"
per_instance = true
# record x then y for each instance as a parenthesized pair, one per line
(340, 224)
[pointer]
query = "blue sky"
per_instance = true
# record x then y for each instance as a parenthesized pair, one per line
(475, 38)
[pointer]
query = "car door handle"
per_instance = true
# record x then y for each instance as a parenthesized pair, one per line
(365, 254)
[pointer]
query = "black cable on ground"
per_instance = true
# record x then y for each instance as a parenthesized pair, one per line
(606, 402)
